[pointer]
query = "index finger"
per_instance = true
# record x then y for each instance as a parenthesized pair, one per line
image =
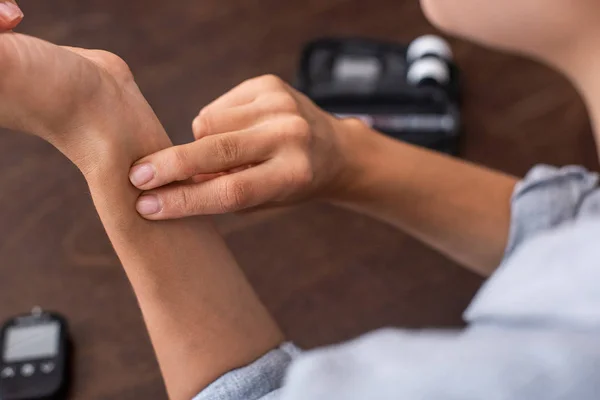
(10, 15)
(228, 193)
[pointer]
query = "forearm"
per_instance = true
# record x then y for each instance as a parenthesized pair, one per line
(461, 209)
(202, 315)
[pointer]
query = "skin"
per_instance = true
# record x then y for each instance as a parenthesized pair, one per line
(203, 317)
(562, 34)
(535, 28)
(297, 152)
(264, 144)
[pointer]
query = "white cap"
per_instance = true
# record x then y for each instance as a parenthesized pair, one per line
(429, 44)
(428, 68)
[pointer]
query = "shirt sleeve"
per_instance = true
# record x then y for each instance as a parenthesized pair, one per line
(533, 327)
(479, 363)
(550, 273)
(546, 198)
(260, 380)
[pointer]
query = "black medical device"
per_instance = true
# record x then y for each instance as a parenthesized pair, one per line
(35, 357)
(410, 92)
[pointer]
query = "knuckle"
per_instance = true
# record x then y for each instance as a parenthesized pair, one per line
(183, 166)
(296, 129)
(263, 83)
(234, 195)
(270, 81)
(226, 149)
(250, 85)
(184, 202)
(282, 102)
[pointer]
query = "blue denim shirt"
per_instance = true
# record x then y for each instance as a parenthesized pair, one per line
(533, 333)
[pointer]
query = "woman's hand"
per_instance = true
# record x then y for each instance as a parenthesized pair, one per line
(263, 143)
(10, 15)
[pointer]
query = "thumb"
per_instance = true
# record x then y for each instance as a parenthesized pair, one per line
(224, 194)
(10, 15)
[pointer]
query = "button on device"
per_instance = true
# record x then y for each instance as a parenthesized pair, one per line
(47, 367)
(27, 370)
(7, 372)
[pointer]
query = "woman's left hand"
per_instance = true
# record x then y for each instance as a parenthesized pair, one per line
(10, 15)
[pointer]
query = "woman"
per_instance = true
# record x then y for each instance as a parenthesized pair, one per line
(533, 329)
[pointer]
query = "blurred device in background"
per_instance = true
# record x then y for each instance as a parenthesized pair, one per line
(35, 358)
(408, 92)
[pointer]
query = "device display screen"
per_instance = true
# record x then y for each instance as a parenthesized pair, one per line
(31, 342)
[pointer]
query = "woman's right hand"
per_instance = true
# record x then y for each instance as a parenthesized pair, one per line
(261, 144)
(10, 15)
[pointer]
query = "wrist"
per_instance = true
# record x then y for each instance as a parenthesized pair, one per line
(358, 145)
(102, 146)
(93, 154)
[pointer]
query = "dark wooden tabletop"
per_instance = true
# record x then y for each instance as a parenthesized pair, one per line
(326, 274)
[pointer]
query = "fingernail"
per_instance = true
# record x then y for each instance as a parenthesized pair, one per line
(142, 174)
(148, 204)
(10, 11)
